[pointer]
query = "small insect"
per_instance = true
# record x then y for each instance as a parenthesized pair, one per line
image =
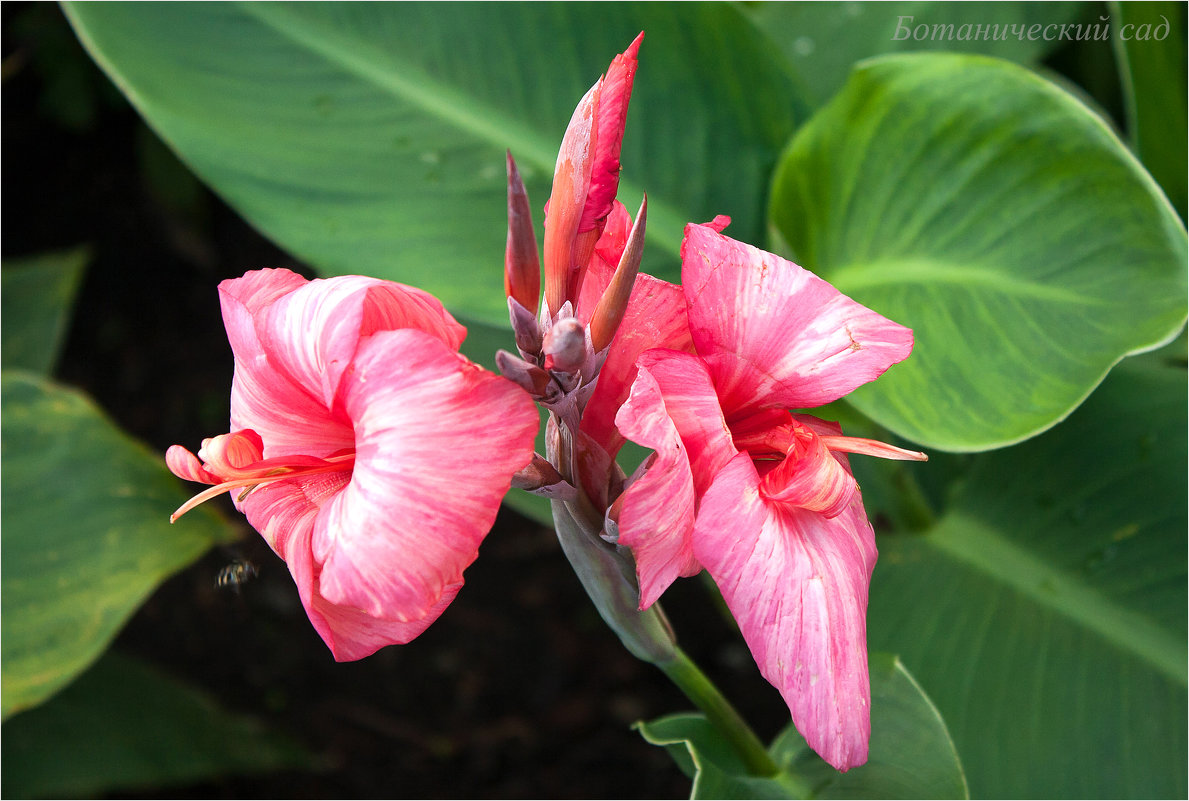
(237, 573)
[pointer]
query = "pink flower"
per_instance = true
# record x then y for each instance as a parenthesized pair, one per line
(365, 449)
(761, 497)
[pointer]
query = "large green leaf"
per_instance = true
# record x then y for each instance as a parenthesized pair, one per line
(38, 294)
(911, 754)
(369, 137)
(1045, 612)
(86, 534)
(823, 40)
(1150, 50)
(123, 725)
(995, 215)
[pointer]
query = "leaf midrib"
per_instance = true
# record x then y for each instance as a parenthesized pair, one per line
(443, 101)
(879, 273)
(967, 539)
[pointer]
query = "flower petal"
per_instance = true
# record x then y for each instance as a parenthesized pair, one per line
(655, 318)
(810, 476)
(312, 333)
(437, 441)
(691, 404)
(286, 515)
(612, 115)
(656, 518)
(184, 464)
(775, 334)
(797, 584)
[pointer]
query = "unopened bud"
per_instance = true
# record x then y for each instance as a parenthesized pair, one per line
(522, 265)
(529, 377)
(526, 328)
(541, 478)
(565, 346)
(571, 180)
(608, 314)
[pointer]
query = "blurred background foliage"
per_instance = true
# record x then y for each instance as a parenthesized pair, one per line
(1021, 214)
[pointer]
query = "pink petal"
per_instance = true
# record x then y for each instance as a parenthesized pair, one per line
(692, 406)
(287, 514)
(810, 476)
(437, 441)
(773, 333)
(656, 518)
(293, 338)
(655, 318)
(612, 116)
(184, 464)
(312, 333)
(563, 212)
(290, 418)
(797, 583)
(352, 634)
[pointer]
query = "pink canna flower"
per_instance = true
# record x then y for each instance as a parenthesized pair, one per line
(365, 449)
(761, 497)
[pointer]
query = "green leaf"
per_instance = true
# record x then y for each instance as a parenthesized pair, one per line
(1045, 613)
(123, 725)
(705, 757)
(911, 754)
(86, 534)
(1152, 71)
(823, 40)
(996, 216)
(36, 296)
(370, 137)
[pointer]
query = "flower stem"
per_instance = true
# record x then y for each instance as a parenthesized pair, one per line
(682, 671)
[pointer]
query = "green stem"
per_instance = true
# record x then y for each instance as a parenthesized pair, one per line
(682, 671)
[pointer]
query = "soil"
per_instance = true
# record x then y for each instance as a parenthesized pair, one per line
(518, 690)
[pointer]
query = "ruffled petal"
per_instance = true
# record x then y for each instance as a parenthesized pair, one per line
(775, 334)
(692, 406)
(654, 318)
(437, 441)
(656, 518)
(290, 418)
(285, 514)
(797, 584)
(353, 634)
(313, 332)
(810, 476)
(184, 464)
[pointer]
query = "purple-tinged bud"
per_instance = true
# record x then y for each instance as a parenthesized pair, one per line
(522, 265)
(565, 346)
(526, 328)
(608, 314)
(529, 377)
(541, 478)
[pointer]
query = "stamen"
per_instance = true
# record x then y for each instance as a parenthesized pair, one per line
(333, 464)
(871, 447)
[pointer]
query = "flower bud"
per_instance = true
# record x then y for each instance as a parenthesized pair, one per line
(565, 346)
(529, 377)
(526, 328)
(522, 265)
(609, 312)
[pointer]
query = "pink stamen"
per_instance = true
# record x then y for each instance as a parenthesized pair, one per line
(267, 475)
(871, 447)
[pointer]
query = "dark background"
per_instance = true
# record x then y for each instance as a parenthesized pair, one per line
(518, 690)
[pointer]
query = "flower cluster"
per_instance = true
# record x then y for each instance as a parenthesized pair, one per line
(354, 423)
